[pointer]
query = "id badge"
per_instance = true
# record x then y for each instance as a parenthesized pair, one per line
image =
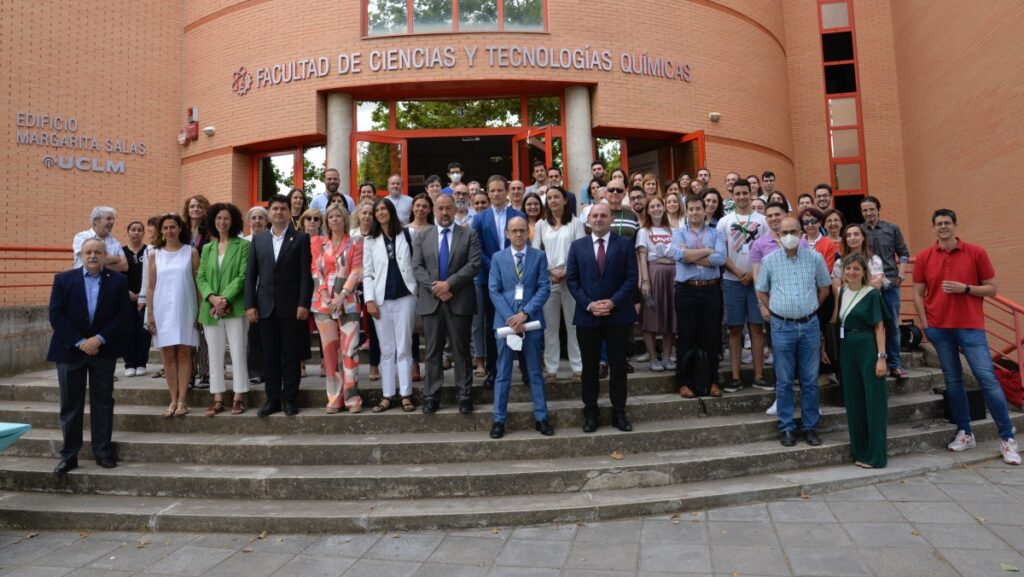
(519, 292)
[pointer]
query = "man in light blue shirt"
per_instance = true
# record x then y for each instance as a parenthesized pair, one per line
(791, 285)
(332, 180)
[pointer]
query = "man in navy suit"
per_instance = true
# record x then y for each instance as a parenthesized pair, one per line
(278, 291)
(89, 312)
(601, 274)
(519, 286)
(490, 230)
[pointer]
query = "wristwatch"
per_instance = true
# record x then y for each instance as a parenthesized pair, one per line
(883, 356)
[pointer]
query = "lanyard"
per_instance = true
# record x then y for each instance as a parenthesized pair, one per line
(621, 213)
(853, 302)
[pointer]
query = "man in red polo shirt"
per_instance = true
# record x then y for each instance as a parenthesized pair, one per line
(951, 280)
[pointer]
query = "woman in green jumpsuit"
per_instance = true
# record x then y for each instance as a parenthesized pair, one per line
(861, 313)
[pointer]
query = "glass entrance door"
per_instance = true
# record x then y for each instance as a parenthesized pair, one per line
(376, 157)
(528, 146)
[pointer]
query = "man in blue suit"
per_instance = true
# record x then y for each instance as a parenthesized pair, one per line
(601, 274)
(519, 286)
(490, 230)
(89, 312)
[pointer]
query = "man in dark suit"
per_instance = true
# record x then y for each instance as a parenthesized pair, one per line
(519, 286)
(89, 313)
(278, 291)
(489, 226)
(601, 273)
(445, 260)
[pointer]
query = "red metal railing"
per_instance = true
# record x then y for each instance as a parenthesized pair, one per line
(20, 262)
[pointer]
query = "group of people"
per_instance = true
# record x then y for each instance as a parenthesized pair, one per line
(488, 274)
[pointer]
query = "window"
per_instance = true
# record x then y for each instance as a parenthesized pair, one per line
(847, 177)
(835, 15)
(843, 117)
(426, 114)
(272, 174)
(840, 79)
(373, 115)
(391, 17)
(842, 111)
(845, 143)
(837, 47)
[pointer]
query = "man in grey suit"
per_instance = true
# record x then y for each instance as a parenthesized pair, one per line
(445, 261)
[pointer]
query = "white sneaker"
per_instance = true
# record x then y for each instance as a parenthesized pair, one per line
(1010, 454)
(657, 367)
(642, 358)
(129, 372)
(140, 371)
(768, 359)
(746, 358)
(670, 365)
(772, 410)
(964, 441)
(746, 340)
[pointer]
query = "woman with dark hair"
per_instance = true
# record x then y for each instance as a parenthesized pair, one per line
(136, 351)
(367, 190)
(173, 306)
(636, 179)
(422, 219)
(652, 185)
(390, 292)
(684, 181)
(554, 235)
(432, 186)
(534, 209)
(713, 205)
(781, 198)
(595, 183)
(221, 283)
(811, 220)
(755, 186)
(657, 285)
(856, 241)
(361, 225)
(696, 187)
(299, 204)
(195, 211)
(337, 266)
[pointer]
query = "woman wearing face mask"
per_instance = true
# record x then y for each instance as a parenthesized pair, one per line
(861, 314)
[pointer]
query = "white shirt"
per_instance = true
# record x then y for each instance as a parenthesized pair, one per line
(403, 206)
(500, 215)
(739, 233)
(440, 237)
(110, 243)
(278, 241)
(594, 238)
(556, 243)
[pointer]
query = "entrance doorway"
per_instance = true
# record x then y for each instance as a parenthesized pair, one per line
(481, 156)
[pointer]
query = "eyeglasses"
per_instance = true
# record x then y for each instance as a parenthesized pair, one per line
(615, 190)
(313, 218)
(809, 222)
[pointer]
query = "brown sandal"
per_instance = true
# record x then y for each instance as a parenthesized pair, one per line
(382, 406)
(169, 411)
(216, 407)
(159, 374)
(237, 407)
(407, 405)
(181, 411)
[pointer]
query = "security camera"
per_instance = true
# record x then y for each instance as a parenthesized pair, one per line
(209, 131)
(715, 116)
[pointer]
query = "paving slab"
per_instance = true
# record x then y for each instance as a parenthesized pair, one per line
(827, 562)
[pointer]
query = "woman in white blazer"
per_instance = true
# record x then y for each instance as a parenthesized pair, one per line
(389, 290)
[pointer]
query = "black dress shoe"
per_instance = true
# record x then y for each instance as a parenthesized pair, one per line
(268, 409)
(65, 467)
(811, 436)
(291, 410)
(545, 428)
(602, 371)
(788, 438)
(629, 368)
(430, 406)
(497, 430)
(106, 462)
(465, 407)
(622, 424)
(589, 425)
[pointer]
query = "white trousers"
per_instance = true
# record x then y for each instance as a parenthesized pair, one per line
(234, 330)
(560, 302)
(394, 333)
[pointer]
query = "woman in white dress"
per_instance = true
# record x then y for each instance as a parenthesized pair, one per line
(553, 235)
(173, 306)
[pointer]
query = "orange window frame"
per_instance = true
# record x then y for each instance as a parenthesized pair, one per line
(860, 158)
(410, 11)
(297, 171)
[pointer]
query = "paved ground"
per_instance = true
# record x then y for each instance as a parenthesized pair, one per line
(967, 521)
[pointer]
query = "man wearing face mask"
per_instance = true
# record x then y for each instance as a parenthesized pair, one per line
(455, 174)
(791, 285)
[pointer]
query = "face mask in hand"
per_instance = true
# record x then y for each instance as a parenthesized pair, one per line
(790, 241)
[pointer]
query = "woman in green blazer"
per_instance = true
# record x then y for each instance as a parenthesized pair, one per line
(221, 282)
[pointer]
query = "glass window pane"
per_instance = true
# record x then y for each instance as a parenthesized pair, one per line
(847, 176)
(376, 161)
(556, 156)
(835, 15)
(544, 110)
(478, 15)
(842, 111)
(372, 115)
(432, 16)
(274, 175)
(840, 79)
(844, 143)
(524, 15)
(837, 46)
(492, 113)
(610, 151)
(387, 17)
(314, 162)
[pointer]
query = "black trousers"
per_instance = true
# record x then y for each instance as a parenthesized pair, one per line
(590, 339)
(98, 374)
(281, 358)
(136, 350)
(254, 355)
(457, 329)
(699, 323)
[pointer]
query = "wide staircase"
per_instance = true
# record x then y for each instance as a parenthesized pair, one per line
(365, 472)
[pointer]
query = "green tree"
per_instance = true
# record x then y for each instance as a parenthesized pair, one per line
(310, 173)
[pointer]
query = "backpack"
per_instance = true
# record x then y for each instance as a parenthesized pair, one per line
(1008, 375)
(910, 335)
(700, 370)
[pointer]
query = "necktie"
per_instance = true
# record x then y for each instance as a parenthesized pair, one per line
(442, 269)
(600, 255)
(501, 228)
(519, 264)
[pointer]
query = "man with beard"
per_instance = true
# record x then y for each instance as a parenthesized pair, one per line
(332, 178)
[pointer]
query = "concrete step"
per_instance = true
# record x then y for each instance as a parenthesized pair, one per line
(35, 510)
(562, 414)
(453, 480)
(189, 448)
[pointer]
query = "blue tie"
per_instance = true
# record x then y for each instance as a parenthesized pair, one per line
(442, 271)
(519, 263)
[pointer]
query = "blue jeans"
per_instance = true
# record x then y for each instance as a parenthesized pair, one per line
(891, 296)
(948, 343)
(796, 347)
